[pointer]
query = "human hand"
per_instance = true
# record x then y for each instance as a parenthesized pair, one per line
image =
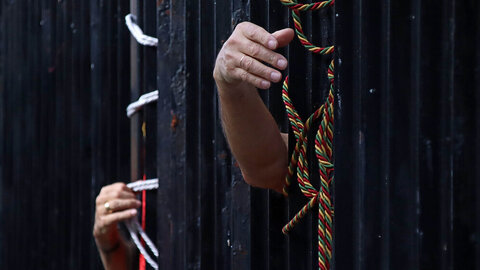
(244, 57)
(114, 203)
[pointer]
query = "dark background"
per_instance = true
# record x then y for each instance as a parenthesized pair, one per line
(407, 125)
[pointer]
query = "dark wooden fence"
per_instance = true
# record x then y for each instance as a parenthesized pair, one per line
(407, 126)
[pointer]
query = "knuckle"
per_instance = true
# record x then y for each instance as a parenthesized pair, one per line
(255, 32)
(232, 41)
(258, 82)
(254, 49)
(271, 58)
(247, 64)
(229, 69)
(242, 25)
(117, 193)
(244, 75)
(228, 56)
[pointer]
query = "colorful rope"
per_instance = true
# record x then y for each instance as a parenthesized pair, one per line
(323, 146)
(304, 7)
(324, 154)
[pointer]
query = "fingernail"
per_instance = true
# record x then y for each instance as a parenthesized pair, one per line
(275, 76)
(282, 63)
(138, 203)
(265, 84)
(133, 212)
(272, 44)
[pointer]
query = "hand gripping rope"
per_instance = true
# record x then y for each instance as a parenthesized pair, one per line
(137, 32)
(135, 229)
(323, 146)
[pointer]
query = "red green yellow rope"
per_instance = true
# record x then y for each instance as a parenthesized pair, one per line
(294, 5)
(324, 154)
(297, 22)
(323, 146)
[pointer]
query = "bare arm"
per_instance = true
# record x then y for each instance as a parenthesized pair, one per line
(251, 131)
(115, 252)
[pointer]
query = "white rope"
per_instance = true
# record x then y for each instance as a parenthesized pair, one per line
(134, 227)
(143, 185)
(137, 32)
(142, 101)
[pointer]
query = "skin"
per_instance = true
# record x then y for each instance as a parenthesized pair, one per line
(247, 62)
(115, 251)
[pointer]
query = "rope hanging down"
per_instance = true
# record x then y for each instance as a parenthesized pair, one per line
(135, 229)
(142, 101)
(137, 33)
(323, 146)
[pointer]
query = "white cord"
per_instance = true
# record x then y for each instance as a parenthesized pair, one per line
(137, 32)
(142, 101)
(134, 227)
(143, 185)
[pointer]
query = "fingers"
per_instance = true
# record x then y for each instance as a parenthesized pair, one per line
(263, 54)
(251, 78)
(284, 37)
(116, 217)
(120, 205)
(248, 56)
(254, 67)
(258, 35)
(114, 191)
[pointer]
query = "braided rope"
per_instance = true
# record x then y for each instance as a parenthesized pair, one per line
(294, 5)
(143, 185)
(135, 229)
(143, 100)
(297, 22)
(137, 32)
(324, 154)
(323, 146)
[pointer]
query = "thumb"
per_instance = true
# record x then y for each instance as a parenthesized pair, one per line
(283, 37)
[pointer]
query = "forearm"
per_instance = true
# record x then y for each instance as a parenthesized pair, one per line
(118, 257)
(253, 136)
(247, 61)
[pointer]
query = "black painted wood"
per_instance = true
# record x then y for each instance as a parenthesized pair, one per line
(407, 125)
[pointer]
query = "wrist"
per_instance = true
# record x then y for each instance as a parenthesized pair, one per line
(110, 249)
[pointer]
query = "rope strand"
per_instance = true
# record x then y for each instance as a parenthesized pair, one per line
(323, 146)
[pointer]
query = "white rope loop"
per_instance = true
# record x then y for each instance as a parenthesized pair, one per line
(134, 227)
(142, 101)
(137, 32)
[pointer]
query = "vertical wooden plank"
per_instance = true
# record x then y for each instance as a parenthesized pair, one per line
(199, 223)
(260, 216)
(386, 134)
(241, 196)
(223, 195)
(477, 138)
(2, 135)
(447, 132)
(134, 94)
(463, 136)
(345, 182)
(171, 158)
(206, 139)
(95, 96)
(415, 131)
